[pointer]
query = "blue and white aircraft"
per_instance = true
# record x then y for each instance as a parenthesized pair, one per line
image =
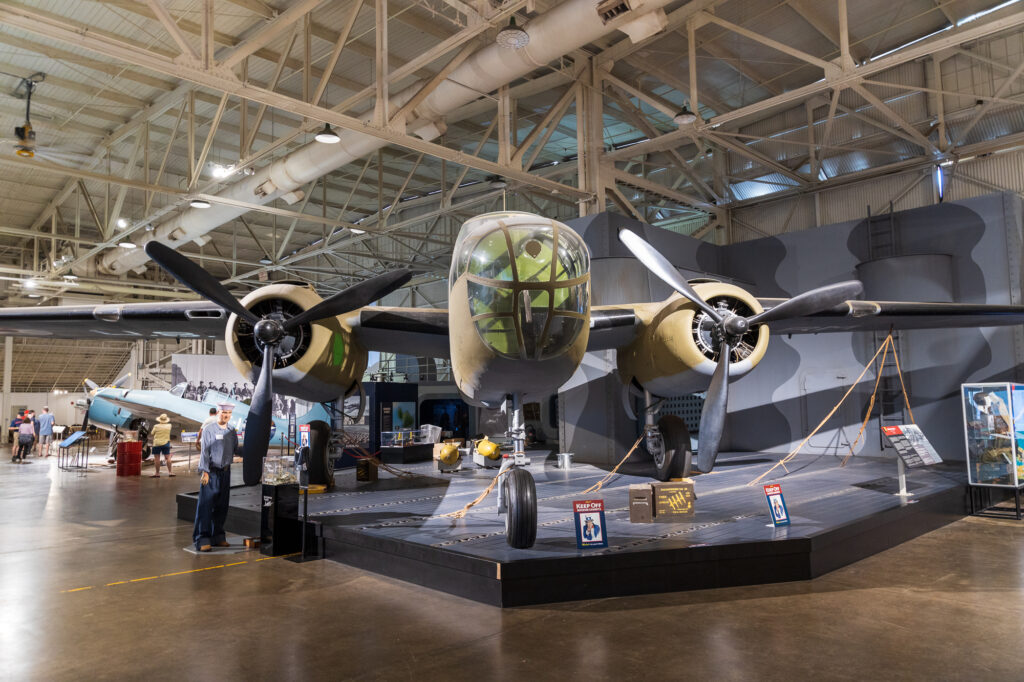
(115, 409)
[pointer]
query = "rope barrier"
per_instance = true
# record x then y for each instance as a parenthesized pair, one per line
(600, 484)
(874, 393)
(480, 498)
(886, 345)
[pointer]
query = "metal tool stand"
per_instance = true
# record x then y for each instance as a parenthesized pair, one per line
(984, 506)
(901, 473)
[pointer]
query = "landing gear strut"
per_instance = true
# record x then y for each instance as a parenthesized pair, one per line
(517, 492)
(668, 442)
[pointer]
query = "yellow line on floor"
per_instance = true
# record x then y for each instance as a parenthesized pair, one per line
(192, 570)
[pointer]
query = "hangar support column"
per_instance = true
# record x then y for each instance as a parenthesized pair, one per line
(5, 399)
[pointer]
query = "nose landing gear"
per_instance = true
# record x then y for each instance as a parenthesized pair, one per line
(517, 492)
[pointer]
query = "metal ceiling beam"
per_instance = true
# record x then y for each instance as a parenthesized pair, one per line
(268, 32)
(46, 26)
(945, 40)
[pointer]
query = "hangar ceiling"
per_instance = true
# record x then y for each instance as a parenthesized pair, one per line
(141, 107)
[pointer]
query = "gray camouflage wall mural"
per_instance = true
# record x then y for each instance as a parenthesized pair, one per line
(968, 251)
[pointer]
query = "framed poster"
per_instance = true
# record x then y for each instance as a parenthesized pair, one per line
(590, 526)
(776, 504)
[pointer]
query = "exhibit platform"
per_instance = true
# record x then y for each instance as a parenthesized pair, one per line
(839, 515)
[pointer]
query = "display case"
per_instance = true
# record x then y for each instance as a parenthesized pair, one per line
(400, 439)
(994, 431)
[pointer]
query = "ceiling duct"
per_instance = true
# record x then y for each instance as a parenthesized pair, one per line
(484, 71)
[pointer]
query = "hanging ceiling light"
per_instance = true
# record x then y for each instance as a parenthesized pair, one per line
(199, 203)
(685, 117)
(327, 135)
(512, 37)
(128, 245)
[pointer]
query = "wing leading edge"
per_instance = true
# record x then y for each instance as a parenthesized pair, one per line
(852, 316)
(174, 319)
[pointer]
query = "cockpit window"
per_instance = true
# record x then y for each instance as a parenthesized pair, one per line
(529, 283)
(179, 390)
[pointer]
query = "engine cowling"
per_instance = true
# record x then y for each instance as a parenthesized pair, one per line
(677, 350)
(320, 361)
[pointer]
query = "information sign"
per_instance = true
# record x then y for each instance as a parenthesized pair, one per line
(911, 445)
(776, 504)
(303, 435)
(590, 526)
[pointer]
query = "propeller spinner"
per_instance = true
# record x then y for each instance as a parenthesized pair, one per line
(269, 333)
(730, 328)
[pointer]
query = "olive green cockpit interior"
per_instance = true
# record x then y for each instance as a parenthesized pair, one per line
(528, 283)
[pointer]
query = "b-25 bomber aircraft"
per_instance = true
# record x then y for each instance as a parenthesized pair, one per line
(518, 324)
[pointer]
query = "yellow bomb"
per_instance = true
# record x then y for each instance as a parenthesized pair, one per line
(449, 454)
(488, 449)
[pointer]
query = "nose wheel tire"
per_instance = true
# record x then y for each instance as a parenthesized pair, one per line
(521, 500)
(673, 459)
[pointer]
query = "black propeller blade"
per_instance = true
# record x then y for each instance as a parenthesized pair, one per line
(197, 279)
(269, 334)
(810, 302)
(659, 265)
(731, 329)
(356, 296)
(257, 425)
(712, 415)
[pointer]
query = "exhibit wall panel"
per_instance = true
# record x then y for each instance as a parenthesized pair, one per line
(62, 406)
(968, 251)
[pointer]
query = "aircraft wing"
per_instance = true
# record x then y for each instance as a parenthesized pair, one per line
(151, 412)
(852, 316)
(126, 321)
(411, 331)
(611, 327)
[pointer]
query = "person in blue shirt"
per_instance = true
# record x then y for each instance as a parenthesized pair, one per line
(219, 445)
(45, 422)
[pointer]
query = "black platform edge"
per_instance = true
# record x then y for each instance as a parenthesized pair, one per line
(244, 522)
(525, 582)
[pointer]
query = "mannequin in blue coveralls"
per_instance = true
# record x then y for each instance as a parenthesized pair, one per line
(219, 447)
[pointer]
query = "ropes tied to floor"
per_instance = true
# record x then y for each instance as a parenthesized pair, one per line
(375, 461)
(460, 513)
(887, 345)
(608, 477)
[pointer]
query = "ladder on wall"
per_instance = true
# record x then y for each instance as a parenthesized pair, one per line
(883, 242)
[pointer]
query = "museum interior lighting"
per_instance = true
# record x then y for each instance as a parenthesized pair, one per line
(122, 223)
(127, 245)
(199, 203)
(327, 135)
(219, 171)
(685, 117)
(512, 37)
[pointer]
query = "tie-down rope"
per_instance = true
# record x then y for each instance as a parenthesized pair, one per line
(883, 350)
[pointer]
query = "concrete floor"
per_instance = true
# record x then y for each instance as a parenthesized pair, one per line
(96, 586)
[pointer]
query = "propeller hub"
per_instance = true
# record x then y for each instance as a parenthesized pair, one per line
(734, 325)
(269, 332)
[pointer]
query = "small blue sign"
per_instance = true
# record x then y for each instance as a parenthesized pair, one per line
(776, 504)
(590, 526)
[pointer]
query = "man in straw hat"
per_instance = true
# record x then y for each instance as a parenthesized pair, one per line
(162, 445)
(219, 447)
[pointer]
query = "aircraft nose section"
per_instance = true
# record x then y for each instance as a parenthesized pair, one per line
(528, 283)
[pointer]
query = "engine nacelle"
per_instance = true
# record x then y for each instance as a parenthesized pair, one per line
(320, 361)
(677, 349)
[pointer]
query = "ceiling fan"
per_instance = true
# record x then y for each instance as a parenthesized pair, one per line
(24, 140)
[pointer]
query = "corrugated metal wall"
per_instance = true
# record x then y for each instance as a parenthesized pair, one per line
(911, 189)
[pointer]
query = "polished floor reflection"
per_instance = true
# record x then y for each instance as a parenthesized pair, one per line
(96, 585)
